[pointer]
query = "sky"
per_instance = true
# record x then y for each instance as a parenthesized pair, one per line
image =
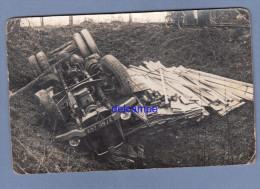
(64, 20)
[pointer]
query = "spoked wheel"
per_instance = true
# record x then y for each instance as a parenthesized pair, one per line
(116, 72)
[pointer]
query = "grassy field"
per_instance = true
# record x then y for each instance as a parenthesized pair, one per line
(215, 140)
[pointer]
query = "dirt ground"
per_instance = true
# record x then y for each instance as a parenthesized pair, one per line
(216, 140)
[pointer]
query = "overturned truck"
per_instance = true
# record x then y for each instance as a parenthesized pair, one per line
(77, 87)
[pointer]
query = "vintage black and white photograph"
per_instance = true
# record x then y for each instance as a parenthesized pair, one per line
(131, 91)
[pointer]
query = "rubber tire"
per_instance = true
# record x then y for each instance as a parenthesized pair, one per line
(49, 107)
(43, 61)
(35, 66)
(51, 80)
(89, 41)
(112, 64)
(81, 45)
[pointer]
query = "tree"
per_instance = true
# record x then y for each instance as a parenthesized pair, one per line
(42, 23)
(13, 25)
(203, 18)
(70, 20)
(130, 18)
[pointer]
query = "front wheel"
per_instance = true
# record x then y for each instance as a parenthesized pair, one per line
(50, 109)
(117, 73)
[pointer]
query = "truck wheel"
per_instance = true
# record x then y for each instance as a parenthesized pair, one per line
(116, 71)
(43, 61)
(35, 66)
(89, 41)
(51, 80)
(50, 109)
(81, 45)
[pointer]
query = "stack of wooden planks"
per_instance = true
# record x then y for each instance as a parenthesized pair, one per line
(188, 92)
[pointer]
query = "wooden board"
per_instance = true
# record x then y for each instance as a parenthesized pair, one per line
(194, 89)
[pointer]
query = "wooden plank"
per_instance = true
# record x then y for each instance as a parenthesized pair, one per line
(228, 109)
(219, 82)
(139, 81)
(211, 91)
(164, 88)
(236, 92)
(250, 90)
(154, 66)
(218, 77)
(227, 89)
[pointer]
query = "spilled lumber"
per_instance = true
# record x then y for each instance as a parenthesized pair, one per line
(194, 89)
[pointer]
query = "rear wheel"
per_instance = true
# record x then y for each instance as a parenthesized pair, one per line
(89, 41)
(117, 73)
(43, 61)
(35, 66)
(81, 45)
(52, 80)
